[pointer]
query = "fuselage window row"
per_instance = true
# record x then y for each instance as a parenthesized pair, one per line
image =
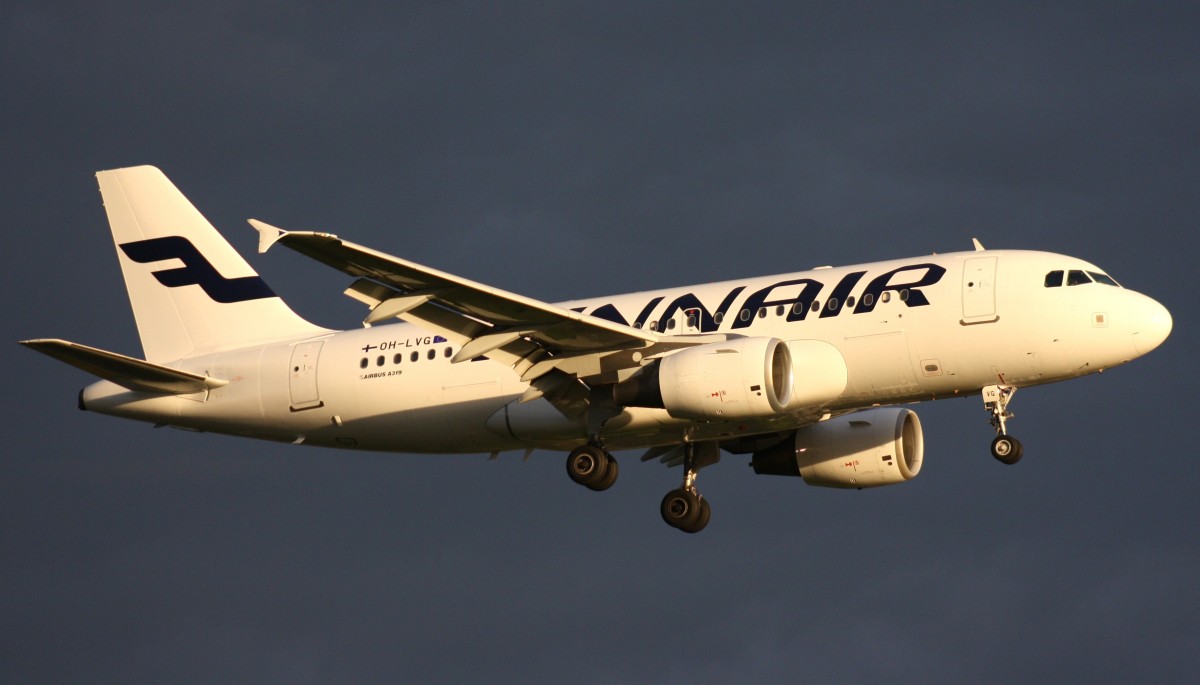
(693, 320)
(431, 354)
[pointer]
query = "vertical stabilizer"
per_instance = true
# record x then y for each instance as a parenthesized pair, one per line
(191, 292)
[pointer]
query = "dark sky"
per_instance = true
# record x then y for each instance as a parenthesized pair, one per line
(564, 150)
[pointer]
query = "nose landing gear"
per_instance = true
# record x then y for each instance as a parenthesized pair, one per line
(1005, 448)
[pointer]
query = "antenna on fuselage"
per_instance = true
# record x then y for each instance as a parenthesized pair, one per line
(978, 245)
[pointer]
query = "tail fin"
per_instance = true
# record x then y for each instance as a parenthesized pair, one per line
(191, 292)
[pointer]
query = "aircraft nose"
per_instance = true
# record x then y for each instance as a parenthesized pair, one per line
(1153, 325)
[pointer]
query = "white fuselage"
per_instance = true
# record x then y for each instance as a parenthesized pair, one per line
(899, 331)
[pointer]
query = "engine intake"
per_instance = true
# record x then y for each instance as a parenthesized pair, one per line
(864, 449)
(736, 379)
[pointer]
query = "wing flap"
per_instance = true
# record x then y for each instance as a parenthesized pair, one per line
(126, 372)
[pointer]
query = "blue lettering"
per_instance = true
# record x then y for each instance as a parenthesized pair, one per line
(797, 306)
(841, 292)
(932, 273)
(689, 301)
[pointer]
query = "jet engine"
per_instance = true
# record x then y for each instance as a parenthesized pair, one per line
(863, 449)
(736, 379)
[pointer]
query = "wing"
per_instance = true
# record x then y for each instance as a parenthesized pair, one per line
(546, 344)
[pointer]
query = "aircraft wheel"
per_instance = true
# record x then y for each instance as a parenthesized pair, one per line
(701, 520)
(1007, 449)
(610, 475)
(681, 509)
(587, 465)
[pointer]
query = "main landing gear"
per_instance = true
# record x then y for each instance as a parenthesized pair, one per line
(1005, 447)
(684, 507)
(592, 466)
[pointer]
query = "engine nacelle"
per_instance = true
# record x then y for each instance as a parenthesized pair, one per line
(736, 379)
(820, 371)
(863, 449)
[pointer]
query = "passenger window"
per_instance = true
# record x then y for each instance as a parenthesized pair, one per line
(904, 295)
(744, 315)
(414, 356)
(1054, 279)
(379, 361)
(654, 325)
(850, 301)
(779, 310)
(868, 300)
(832, 304)
(1075, 277)
(762, 312)
(885, 296)
(718, 318)
(671, 324)
(432, 353)
(446, 353)
(363, 364)
(397, 359)
(816, 306)
(798, 307)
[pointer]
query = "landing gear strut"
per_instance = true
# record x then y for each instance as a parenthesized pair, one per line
(1005, 447)
(592, 466)
(684, 507)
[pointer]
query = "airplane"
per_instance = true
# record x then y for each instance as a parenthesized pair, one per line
(803, 371)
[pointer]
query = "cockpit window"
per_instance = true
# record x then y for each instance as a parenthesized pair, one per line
(1076, 277)
(1054, 279)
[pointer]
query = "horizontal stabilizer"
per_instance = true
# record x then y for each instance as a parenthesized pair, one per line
(126, 372)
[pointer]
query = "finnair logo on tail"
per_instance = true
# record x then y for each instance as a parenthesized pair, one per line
(196, 270)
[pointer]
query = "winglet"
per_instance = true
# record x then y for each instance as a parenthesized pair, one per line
(978, 245)
(268, 235)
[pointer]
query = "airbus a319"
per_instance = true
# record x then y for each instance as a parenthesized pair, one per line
(802, 371)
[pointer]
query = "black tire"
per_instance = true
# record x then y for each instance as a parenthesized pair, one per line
(1007, 449)
(680, 508)
(702, 520)
(611, 470)
(587, 464)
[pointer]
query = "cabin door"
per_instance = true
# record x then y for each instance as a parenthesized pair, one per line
(979, 290)
(303, 375)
